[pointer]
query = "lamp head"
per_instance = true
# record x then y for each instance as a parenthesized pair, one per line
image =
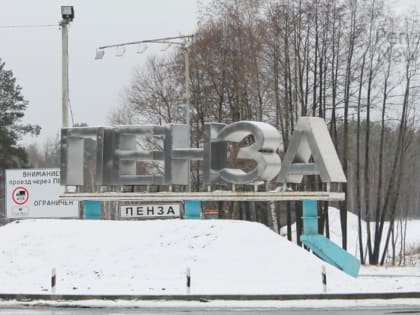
(99, 54)
(67, 13)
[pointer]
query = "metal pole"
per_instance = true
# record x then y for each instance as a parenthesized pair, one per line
(53, 280)
(64, 74)
(187, 107)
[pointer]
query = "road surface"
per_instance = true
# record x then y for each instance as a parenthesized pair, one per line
(199, 311)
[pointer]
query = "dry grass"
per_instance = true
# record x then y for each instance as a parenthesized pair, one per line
(412, 251)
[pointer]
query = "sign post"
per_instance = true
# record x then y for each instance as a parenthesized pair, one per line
(188, 275)
(324, 278)
(53, 280)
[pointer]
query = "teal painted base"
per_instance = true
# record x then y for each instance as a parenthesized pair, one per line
(322, 246)
(91, 210)
(192, 209)
(332, 253)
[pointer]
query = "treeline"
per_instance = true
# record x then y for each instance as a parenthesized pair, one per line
(354, 63)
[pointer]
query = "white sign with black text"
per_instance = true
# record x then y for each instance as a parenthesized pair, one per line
(150, 211)
(33, 193)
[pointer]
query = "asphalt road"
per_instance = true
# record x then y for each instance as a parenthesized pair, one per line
(205, 311)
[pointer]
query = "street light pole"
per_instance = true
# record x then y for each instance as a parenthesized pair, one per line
(168, 41)
(64, 75)
(67, 13)
(187, 106)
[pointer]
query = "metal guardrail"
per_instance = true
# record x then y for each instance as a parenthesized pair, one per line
(211, 297)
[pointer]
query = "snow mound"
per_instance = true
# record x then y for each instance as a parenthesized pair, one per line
(151, 257)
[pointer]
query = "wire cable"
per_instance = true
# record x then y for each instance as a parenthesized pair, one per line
(28, 26)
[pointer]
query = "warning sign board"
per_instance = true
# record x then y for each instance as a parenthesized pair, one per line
(33, 193)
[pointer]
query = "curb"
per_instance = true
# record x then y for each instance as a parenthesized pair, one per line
(210, 297)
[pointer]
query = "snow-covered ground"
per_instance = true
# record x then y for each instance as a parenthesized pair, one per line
(151, 257)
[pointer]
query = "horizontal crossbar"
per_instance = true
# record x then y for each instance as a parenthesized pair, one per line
(207, 196)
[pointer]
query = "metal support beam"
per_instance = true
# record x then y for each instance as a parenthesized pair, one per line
(207, 196)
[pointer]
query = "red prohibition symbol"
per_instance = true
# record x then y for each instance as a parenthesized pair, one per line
(20, 195)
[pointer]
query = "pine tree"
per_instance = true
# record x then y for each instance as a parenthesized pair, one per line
(12, 108)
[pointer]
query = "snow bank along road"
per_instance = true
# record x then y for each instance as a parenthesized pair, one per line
(150, 258)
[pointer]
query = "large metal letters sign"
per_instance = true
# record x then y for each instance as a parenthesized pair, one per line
(310, 151)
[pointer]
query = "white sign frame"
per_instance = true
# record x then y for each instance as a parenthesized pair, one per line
(150, 211)
(34, 193)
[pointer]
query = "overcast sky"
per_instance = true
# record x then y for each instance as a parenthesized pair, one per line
(34, 54)
(96, 86)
